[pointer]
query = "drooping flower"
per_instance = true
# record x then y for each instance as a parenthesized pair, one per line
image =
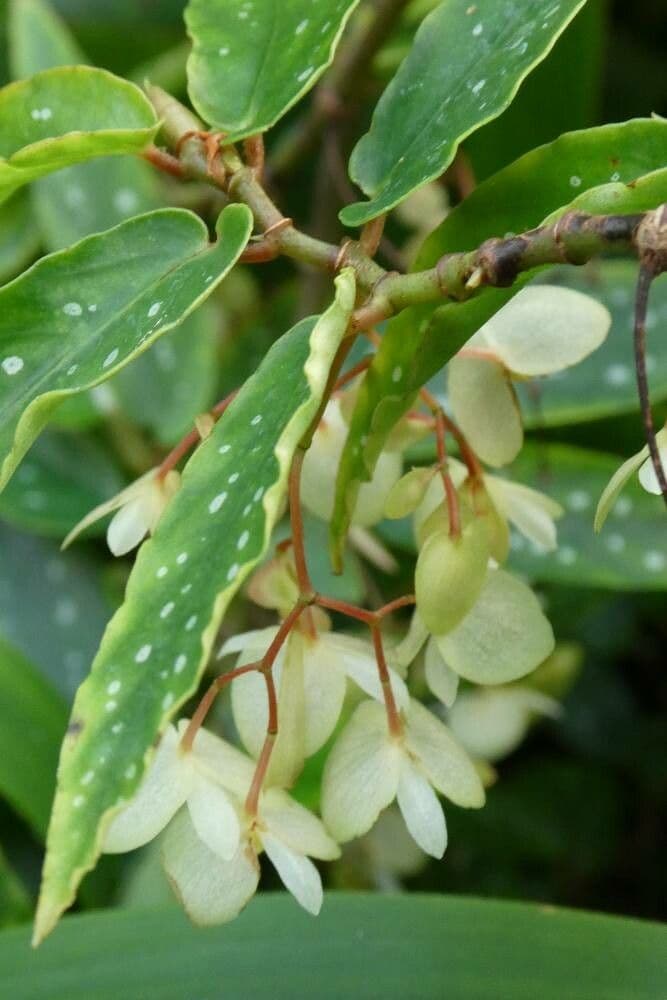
(639, 463)
(369, 767)
(311, 674)
(138, 509)
(491, 722)
(211, 845)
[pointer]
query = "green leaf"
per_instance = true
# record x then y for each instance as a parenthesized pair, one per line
(34, 717)
(19, 240)
(174, 381)
(62, 478)
(157, 645)
(80, 315)
(395, 946)
(89, 197)
(465, 66)
(15, 905)
(603, 385)
(51, 607)
(420, 340)
(68, 115)
(629, 552)
(252, 61)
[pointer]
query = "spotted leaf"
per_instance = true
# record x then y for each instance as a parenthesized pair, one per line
(211, 536)
(254, 59)
(465, 67)
(598, 163)
(67, 115)
(81, 314)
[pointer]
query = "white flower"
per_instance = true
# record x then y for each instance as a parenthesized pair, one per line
(211, 847)
(639, 463)
(139, 507)
(310, 674)
(492, 722)
(318, 475)
(368, 768)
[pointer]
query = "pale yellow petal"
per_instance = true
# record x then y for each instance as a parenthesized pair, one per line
(443, 759)
(485, 407)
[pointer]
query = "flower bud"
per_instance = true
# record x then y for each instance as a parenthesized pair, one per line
(449, 576)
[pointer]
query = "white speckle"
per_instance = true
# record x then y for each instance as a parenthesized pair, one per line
(110, 358)
(654, 561)
(180, 663)
(567, 555)
(622, 507)
(130, 771)
(575, 181)
(256, 420)
(258, 494)
(478, 86)
(397, 374)
(617, 375)
(114, 687)
(233, 571)
(117, 728)
(92, 308)
(162, 572)
(142, 654)
(41, 114)
(111, 705)
(615, 176)
(478, 29)
(301, 26)
(224, 448)
(65, 612)
(223, 50)
(578, 500)
(246, 510)
(181, 558)
(12, 365)
(74, 196)
(87, 778)
(217, 502)
(167, 609)
(154, 309)
(35, 500)
(234, 476)
(167, 701)
(186, 588)
(72, 309)
(125, 200)
(305, 74)
(78, 801)
(72, 369)
(616, 542)
(243, 540)
(190, 623)
(325, 27)
(164, 674)
(243, 14)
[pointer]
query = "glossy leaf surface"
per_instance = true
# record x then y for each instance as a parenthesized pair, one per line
(465, 66)
(211, 536)
(253, 59)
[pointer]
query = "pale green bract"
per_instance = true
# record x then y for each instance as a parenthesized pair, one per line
(209, 539)
(253, 59)
(80, 315)
(465, 66)
(67, 115)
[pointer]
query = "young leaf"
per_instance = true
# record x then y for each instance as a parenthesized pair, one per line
(252, 61)
(211, 536)
(62, 478)
(420, 340)
(52, 607)
(465, 66)
(88, 197)
(68, 115)
(34, 717)
(81, 314)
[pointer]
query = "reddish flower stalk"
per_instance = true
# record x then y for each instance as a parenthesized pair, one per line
(191, 439)
(204, 706)
(393, 717)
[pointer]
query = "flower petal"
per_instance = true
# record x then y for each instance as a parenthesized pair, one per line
(491, 723)
(533, 513)
(411, 643)
(357, 658)
(361, 774)
(130, 525)
(647, 476)
(214, 818)
(444, 760)
(296, 826)
(212, 891)
(256, 642)
(114, 503)
(162, 792)
(615, 485)
(297, 873)
(421, 810)
(324, 690)
(219, 761)
(441, 679)
(486, 408)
